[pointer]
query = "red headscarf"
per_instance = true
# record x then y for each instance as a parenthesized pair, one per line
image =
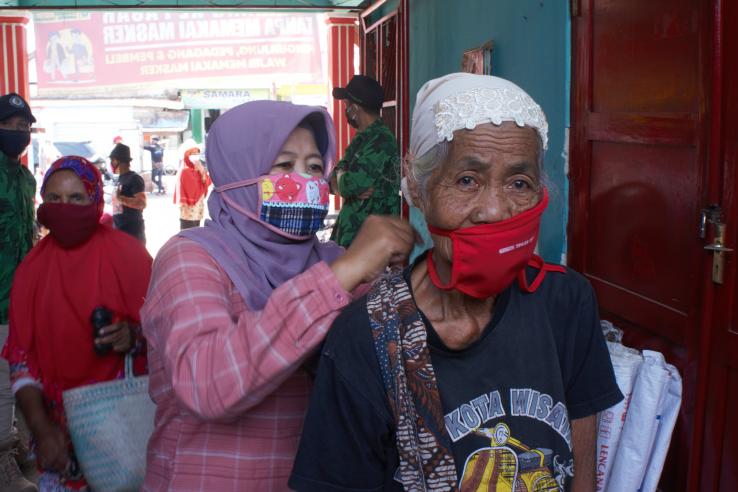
(54, 293)
(193, 185)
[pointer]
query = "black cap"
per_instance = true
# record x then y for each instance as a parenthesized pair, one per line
(121, 152)
(364, 91)
(11, 104)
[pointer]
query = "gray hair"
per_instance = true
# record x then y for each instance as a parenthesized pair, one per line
(422, 167)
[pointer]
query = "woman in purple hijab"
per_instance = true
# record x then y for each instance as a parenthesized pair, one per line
(235, 308)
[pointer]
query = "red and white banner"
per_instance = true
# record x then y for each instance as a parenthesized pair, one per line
(99, 49)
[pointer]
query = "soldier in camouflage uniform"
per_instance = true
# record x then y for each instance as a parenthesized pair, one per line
(17, 191)
(368, 176)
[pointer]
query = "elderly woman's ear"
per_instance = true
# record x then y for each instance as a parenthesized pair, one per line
(409, 186)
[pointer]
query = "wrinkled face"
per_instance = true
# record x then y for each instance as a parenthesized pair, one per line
(299, 154)
(16, 122)
(65, 187)
(491, 174)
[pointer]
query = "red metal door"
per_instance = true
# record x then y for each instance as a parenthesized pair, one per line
(718, 470)
(642, 168)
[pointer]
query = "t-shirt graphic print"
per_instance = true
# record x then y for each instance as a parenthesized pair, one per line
(504, 462)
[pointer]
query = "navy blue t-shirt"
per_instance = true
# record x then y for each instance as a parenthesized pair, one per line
(508, 398)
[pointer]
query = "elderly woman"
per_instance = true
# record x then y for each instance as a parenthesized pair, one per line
(79, 266)
(479, 367)
(236, 308)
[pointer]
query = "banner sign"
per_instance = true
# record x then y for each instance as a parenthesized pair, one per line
(93, 49)
(220, 98)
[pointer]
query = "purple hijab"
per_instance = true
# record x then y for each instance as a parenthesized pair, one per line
(242, 144)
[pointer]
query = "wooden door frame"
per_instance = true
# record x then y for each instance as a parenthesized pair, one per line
(708, 124)
(402, 68)
(706, 470)
(713, 194)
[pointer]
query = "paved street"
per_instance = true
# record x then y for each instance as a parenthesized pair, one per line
(161, 216)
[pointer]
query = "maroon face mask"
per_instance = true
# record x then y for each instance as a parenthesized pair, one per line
(70, 225)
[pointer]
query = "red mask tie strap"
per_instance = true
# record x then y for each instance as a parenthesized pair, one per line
(542, 267)
(434, 274)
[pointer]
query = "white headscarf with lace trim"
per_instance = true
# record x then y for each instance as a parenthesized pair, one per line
(462, 101)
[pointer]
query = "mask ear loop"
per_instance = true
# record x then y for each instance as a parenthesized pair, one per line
(251, 215)
(543, 268)
(238, 184)
(434, 273)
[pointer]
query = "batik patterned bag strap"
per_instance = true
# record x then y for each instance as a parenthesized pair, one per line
(401, 345)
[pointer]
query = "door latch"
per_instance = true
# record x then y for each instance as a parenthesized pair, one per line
(713, 214)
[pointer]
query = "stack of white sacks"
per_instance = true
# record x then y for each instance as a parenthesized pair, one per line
(633, 436)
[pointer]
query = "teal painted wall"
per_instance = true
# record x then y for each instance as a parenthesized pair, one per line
(530, 48)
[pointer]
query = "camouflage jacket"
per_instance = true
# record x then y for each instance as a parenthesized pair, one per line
(17, 191)
(371, 161)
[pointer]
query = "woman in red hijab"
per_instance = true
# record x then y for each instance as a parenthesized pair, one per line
(80, 266)
(192, 189)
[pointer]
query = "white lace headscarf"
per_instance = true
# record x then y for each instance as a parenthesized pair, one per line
(462, 101)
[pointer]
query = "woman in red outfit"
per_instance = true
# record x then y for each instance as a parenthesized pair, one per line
(79, 266)
(192, 188)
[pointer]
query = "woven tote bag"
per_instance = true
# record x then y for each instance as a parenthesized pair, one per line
(110, 424)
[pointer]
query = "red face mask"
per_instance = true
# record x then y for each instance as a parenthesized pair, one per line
(69, 224)
(487, 258)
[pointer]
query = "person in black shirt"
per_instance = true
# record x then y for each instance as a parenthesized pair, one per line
(157, 163)
(130, 197)
(480, 367)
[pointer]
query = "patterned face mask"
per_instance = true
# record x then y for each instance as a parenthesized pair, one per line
(293, 205)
